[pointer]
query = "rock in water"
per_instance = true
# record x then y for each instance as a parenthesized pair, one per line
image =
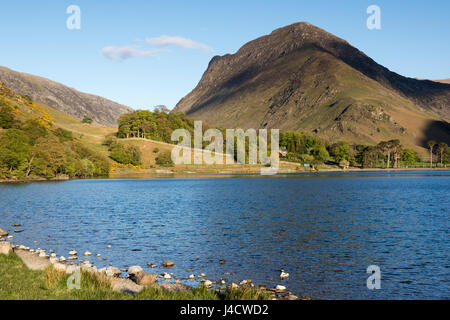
(167, 276)
(280, 288)
(87, 254)
(168, 264)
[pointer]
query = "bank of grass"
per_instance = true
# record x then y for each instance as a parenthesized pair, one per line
(17, 282)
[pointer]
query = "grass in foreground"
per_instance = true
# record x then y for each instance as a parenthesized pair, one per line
(17, 282)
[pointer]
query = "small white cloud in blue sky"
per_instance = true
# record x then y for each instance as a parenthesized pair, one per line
(129, 52)
(179, 42)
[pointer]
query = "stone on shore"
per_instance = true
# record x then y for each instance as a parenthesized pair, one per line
(125, 285)
(71, 268)
(58, 266)
(5, 248)
(32, 261)
(3, 233)
(134, 270)
(174, 287)
(113, 272)
(207, 283)
(144, 278)
(53, 260)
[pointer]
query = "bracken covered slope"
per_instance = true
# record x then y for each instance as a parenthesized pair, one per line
(63, 98)
(301, 77)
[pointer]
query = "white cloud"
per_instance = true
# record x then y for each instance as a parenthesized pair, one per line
(178, 41)
(128, 52)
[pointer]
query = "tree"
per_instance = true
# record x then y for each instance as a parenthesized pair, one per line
(410, 157)
(47, 157)
(396, 149)
(340, 151)
(441, 148)
(34, 130)
(6, 118)
(15, 149)
(87, 120)
(431, 145)
(165, 159)
(125, 155)
(64, 135)
(320, 153)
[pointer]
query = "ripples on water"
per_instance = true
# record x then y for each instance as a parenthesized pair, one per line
(324, 230)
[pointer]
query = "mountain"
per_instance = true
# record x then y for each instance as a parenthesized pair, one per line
(65, 99)
(303, 78)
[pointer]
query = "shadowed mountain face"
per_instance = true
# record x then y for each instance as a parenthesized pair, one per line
(301, 77)
(68, 100)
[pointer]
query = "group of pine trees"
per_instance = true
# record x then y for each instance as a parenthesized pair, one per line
(157, 125)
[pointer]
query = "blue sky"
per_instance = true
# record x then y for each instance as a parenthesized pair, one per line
(168, 44)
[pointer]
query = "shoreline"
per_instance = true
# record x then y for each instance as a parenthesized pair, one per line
(167, 174)
(135, 279)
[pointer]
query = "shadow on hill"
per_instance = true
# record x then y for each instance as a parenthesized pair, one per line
(438, 131)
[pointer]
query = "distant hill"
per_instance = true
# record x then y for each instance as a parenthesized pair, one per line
(443, 81)
(303, 78)
(63, 98)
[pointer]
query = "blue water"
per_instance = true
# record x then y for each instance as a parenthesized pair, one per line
(325, 230)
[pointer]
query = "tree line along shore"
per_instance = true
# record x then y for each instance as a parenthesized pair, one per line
(33, 149)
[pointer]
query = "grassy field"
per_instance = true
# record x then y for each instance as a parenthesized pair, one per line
(17, 282)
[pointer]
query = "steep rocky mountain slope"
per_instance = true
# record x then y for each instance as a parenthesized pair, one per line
(63, 98)
(301, 77)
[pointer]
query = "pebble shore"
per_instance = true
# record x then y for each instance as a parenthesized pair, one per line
(131, 280)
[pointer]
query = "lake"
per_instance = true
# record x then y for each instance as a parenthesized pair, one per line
(324, 230)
